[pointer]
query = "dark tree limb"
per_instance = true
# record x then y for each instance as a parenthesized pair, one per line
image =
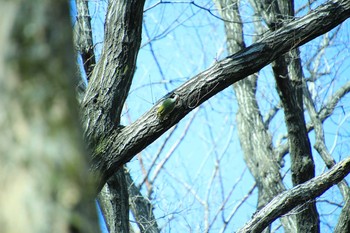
(289, 85)
(326, 111)
(122, 145)
(112, 77)
(141, 208)
(114, 204)
(297, 196)
(83, 37)
(289, 75)
(255, 140)
(107, 91)
(320, 145)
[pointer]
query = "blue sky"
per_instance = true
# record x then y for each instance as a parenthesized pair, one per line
(186, 40)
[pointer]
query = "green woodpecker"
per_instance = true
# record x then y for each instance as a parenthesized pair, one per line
(167, 107)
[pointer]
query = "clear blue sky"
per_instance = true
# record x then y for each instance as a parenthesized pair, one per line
(186, 40)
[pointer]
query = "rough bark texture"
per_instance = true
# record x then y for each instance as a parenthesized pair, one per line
(141, 208)
(302, 164)
(255, 139)
(43, 175)
(115, 146)
(343, 225)
(107, 90)
(83, 37)
(114, 204)
(298, 195)
(288, 75)
(325, 112)
(112, 76)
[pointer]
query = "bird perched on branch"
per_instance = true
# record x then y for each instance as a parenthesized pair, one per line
(167, 106)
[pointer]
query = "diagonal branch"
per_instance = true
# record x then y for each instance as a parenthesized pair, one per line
(320, 144)
(326, 110)
(112, 76)
(296, 196)
(121, 146)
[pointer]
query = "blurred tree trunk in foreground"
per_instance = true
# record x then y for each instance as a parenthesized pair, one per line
(45, 186)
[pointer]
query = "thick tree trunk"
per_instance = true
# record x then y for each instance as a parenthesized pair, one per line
(114, 203)
(43, 177)
(288, 75)
(116, 146)
(254, 138)
(302, 164)
(107, 91)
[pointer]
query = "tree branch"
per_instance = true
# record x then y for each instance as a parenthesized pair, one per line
(320, 144)
(83, 37)
(107, 91)
(112, 77)
(121, 146)
(296, 196)
(326, 111)
(141, 208)
(114, 203)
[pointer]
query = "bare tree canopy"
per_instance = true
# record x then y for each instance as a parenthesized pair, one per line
(119, 146)
(244, 139)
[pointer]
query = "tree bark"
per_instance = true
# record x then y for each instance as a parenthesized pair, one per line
(44, 175)
(343, 225)
(83, 37)
(298, 195)
(255, 139)
(114, 203)
(288, 75)
(105, 96)
(116, 146)
(141, 208)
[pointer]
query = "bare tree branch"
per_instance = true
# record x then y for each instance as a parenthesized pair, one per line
(112, 77)
(328, 108)
(320, 144)
(271, 114)
(343, 224)
(114, 203)
(255, 140)
(296, 196)
(141, 208)
(234, 210)
(83, 37)
(116, 147)
(326, 111)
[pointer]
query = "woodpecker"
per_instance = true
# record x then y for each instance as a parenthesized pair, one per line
(167, 106)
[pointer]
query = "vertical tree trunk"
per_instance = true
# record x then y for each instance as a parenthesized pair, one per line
(254, 137)
(302, 164)
(114, 203)
(288, 74)
(43, 175)
(107, 91)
